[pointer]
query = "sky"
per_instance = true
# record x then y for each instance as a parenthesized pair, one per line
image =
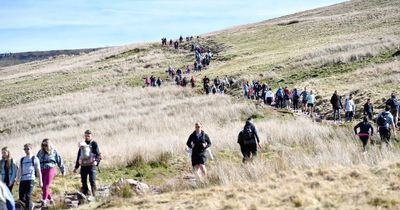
(34, 25)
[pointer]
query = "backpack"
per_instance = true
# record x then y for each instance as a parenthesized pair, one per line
(33, 164)
(382, 119)
(86, 157)
(248, 134)
(279, 93)
(392, 103)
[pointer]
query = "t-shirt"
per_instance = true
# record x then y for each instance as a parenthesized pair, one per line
(27, 169)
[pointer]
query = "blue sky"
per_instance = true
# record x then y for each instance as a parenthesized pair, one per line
(30, 25)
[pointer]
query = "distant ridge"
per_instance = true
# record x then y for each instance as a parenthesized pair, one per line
(9, 59)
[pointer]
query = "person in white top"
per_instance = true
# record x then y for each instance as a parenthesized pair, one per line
(350, 108)
(28, 171)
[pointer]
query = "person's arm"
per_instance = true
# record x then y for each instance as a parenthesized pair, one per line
(208, 141)
(14, 170)
(372, 130)
(60, 162)
(96, 152)
(77, 160)
(256, 134)
(19, 173)
(38, 171)
(355, 128)
(189, 142)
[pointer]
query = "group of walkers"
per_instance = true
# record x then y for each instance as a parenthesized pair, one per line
(42, 166)
(218, 85)
(199, 144)
(152, 81)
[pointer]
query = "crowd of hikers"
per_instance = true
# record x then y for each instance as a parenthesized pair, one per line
(42, 166)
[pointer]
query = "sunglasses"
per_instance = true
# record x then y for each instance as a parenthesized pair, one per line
(26, 149)
(45, 145)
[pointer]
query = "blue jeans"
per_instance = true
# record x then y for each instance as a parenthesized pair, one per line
(25, 192)
(91, 171)
(336, 112)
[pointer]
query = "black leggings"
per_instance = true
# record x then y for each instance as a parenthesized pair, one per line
(364, 140)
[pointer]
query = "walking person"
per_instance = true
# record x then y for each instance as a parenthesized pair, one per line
(279, 96)
(368, 109)
(310, 103)
(8, 168)
(88, 158)
(383, 123)
(350, 108)
(269, 96)
(304, 95)
(28, 171)
(49, 158)
(394, 108)
(336, 106)
(199, 141)
(366, 130)
(250, 140)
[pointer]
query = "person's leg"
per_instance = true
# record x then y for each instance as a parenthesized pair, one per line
(92, 179)
(28, 195)
(52, 173)
(84, 176)
(243, 151)
(253, 150)
(246, 152)
(334, 114)
(45, 187)
(23, 186)
(364, 140)
(203, 169)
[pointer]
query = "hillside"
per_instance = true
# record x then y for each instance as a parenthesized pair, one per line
(352, 47)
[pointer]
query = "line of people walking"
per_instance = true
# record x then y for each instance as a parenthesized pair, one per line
(42, 167)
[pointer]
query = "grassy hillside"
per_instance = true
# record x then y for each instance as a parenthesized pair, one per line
(351, 47)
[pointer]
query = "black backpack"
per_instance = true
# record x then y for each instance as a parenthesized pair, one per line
(392, 103)
(248, 134)
(382, 119)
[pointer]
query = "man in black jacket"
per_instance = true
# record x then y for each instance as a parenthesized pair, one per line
(199, 141)
(88, 167)
(250, 140)
(368, 109)
(336, 106)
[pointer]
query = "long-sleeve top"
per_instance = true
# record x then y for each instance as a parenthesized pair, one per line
(196, 141)
(50, 160)
(368, 108)
(350, 106)
(365, 127)
(94, 148)
(336, 102)
(12, 171)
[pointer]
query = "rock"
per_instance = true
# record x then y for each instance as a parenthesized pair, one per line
(139, 187)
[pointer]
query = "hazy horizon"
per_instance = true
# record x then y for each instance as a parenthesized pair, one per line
(41, 25)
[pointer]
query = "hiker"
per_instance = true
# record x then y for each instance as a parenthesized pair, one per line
(350, 108)
(304, 95)
(383, 123)
(394, 108)
(269, 96)
(249, 140)
(310, 103)
(336, 106)
(286, 97)
(246, 90)
(88, 158)
(49, 158)
(7, 201)
(8, 168)
(28, 171)
(364, 134)
(368, 109)
(159, 81)
(199, 142)
(193, 81)
(279, 96)
(295, 98)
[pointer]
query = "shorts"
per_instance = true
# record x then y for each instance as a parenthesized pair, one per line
(198, 159)
(310, 105)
